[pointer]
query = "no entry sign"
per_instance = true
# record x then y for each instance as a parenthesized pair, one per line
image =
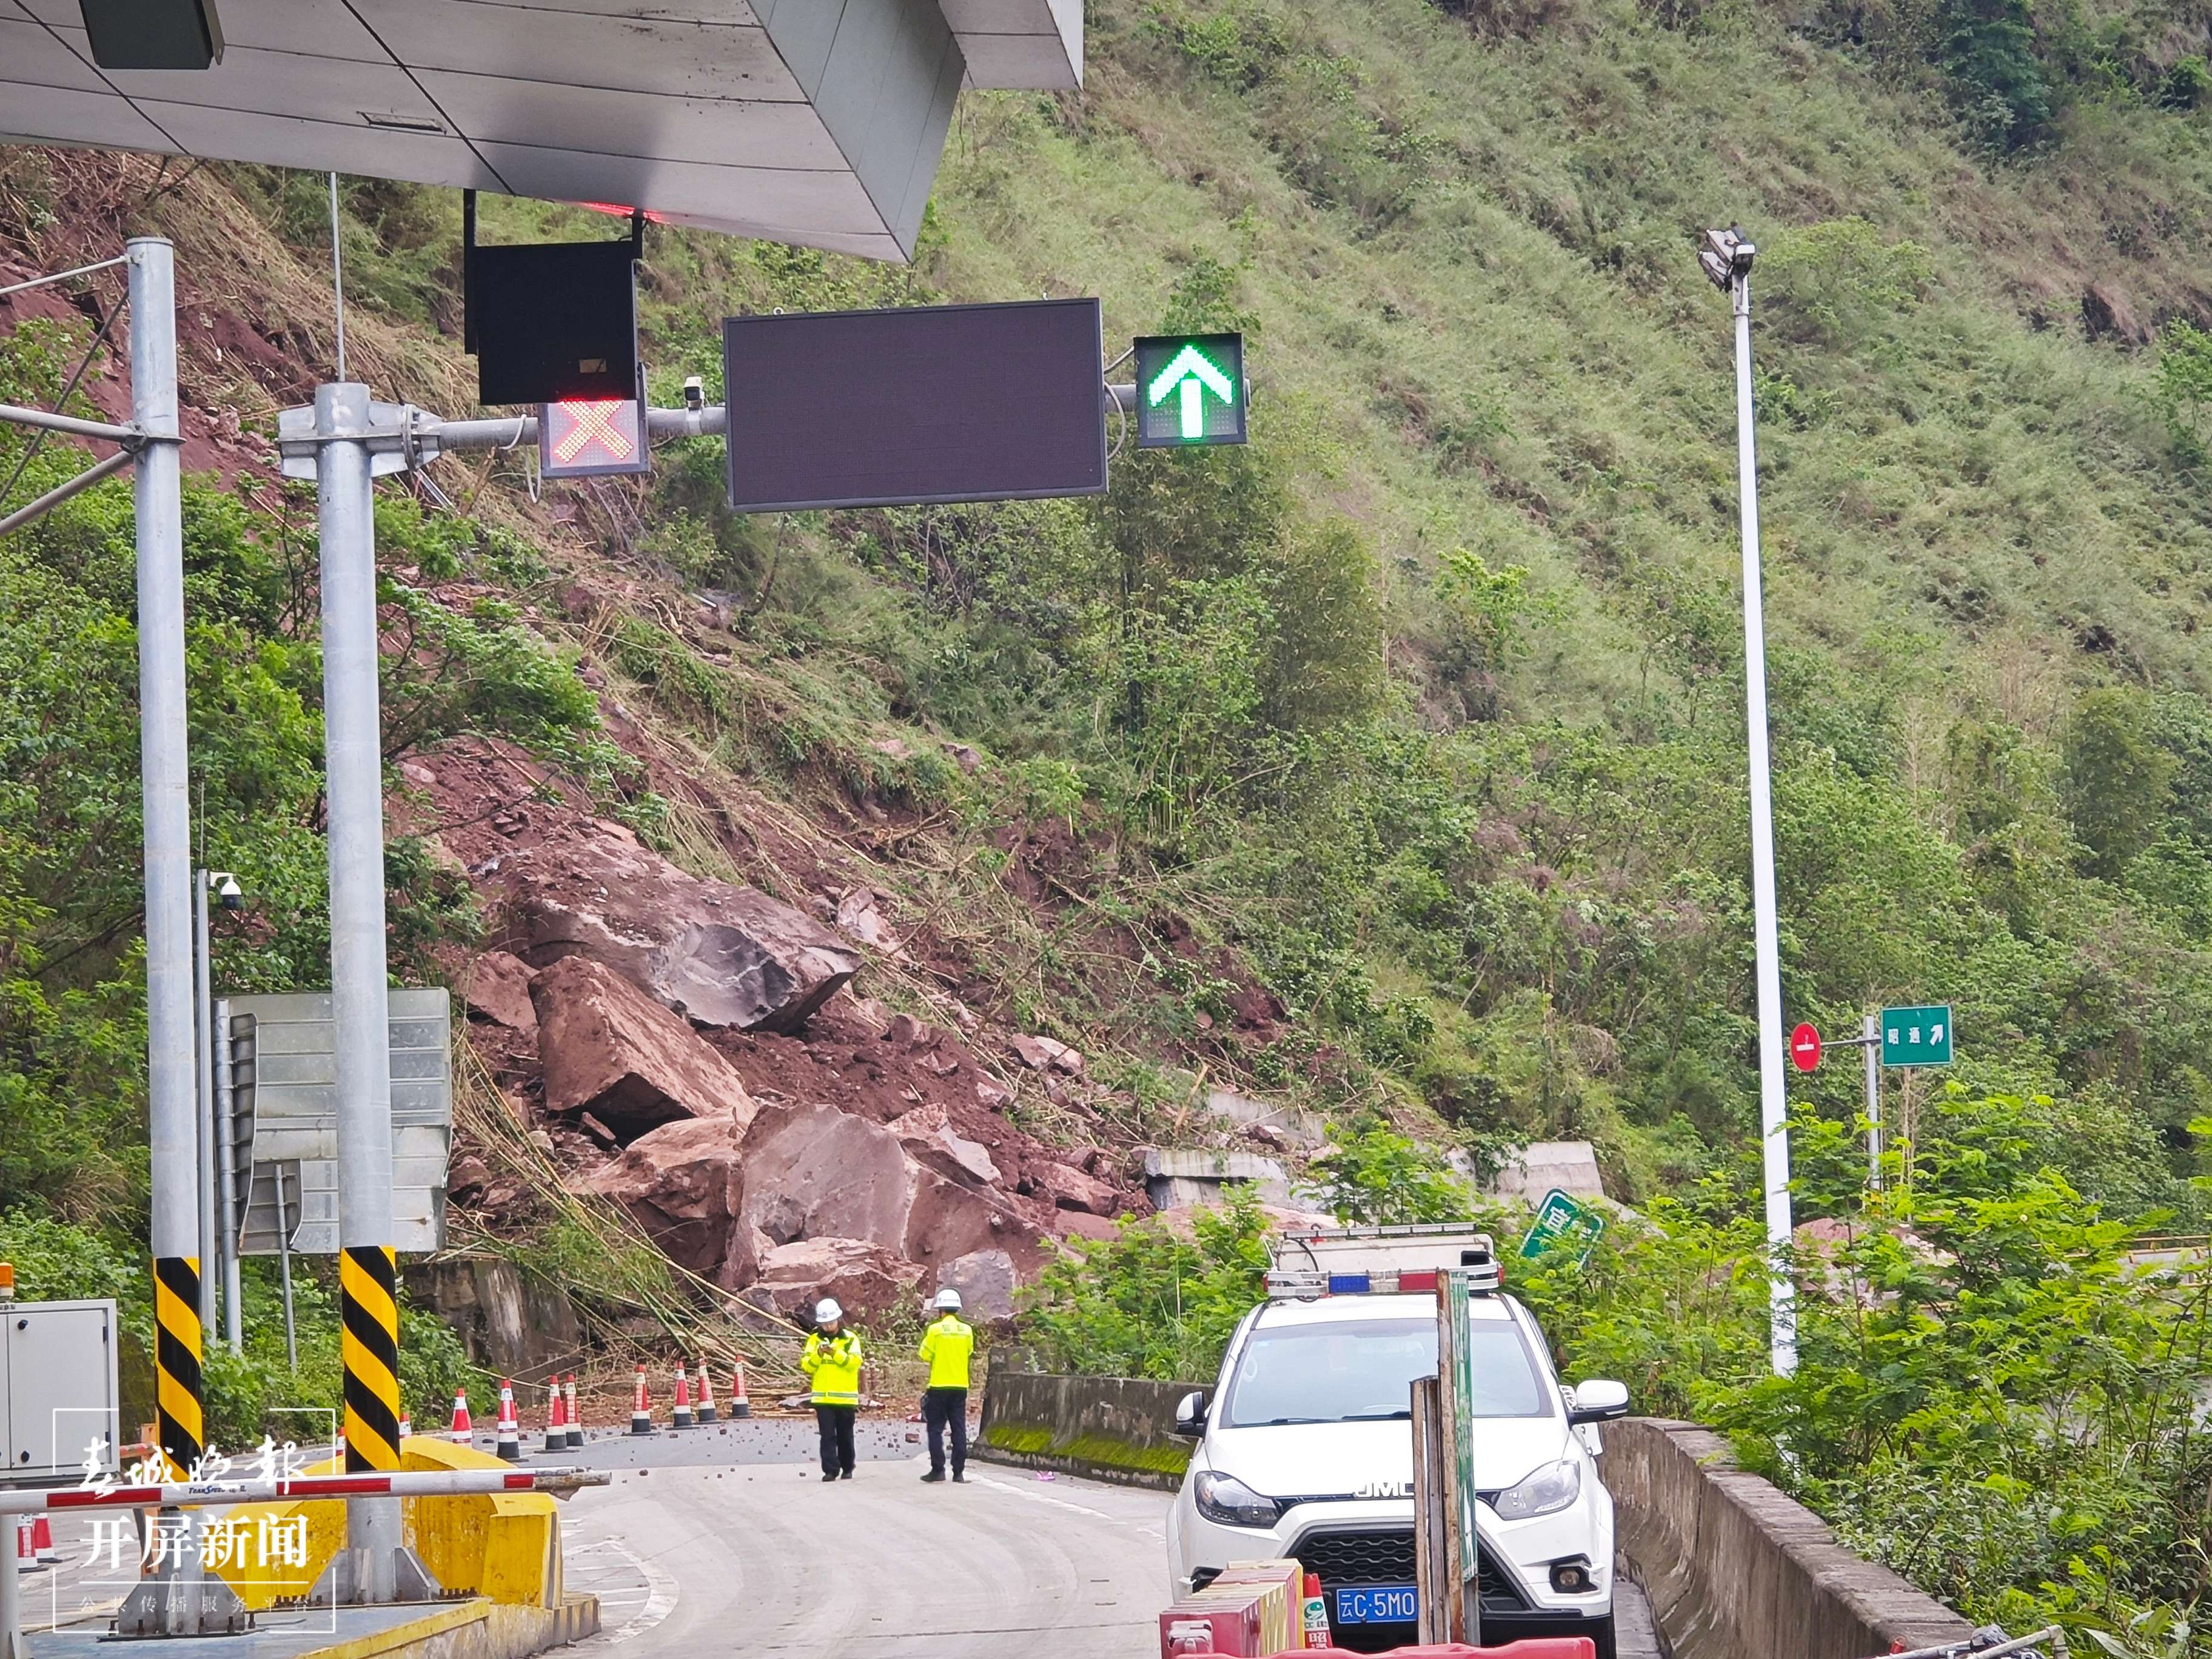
(1804, 1047)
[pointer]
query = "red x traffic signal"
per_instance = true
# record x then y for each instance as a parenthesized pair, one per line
(591, 437)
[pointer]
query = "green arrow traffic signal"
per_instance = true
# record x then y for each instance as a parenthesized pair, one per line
(1190, 390)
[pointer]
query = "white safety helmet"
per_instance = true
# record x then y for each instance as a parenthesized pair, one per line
(949, 1300)
(826, 1312)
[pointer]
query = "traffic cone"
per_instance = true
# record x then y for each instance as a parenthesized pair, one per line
(42, 1541)
(681, 1417)
(706, 1396)
(510, 1431)
(27, 1554)
(556, 1425)
(463, 1431)
(641, 1409)
(406, 1425)
(739, 1406)
(575, 1437)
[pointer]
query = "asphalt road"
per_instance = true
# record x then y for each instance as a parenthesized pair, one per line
(756, 1555)
(714, 1542)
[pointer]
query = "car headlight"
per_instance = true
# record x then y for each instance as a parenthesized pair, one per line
(1550, 1489)
(1226, 1499)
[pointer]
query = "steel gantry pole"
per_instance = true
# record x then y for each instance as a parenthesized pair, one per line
(172, 1096)
(1727, 256)
(353, 750)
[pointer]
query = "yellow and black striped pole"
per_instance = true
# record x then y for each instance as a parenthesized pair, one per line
(368, 1310)
(179, 1423)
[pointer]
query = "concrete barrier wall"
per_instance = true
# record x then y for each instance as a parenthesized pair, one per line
(1735, 1570)
(1113, 1428)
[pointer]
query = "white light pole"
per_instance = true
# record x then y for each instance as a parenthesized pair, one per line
(1727, 258)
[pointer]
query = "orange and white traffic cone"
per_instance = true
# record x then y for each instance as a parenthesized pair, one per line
(406, 1425)
(739, 1406)
(575, 1435)
(557, 1424)
(641, 1409)
(681, 1417)
(463, 1431)
(27, 1554)
(42, 1541)
(706, 1412)
(510, 1430)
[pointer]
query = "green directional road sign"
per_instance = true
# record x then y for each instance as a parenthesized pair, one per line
(1560, 1216)
(1916, 1037)
(1190, 390)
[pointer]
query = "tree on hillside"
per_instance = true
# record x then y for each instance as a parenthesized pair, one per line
(2118, 781)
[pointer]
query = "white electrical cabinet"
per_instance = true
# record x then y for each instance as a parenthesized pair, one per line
(57, 1389)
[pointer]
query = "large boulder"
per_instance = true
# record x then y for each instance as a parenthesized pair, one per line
(985, 1280)
(812, 1171)
(1071, 1188)
(718, 954)
(930, 1140)
(867, 1280)
(612, 1050)
(682, 1183)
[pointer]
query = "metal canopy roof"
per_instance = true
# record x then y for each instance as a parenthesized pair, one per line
(817, 122)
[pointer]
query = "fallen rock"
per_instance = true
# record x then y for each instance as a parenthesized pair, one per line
(930, 1140)
(466, 1175)
(1071, 1189)
(985, 1280)
(861, 913)
(905, 1031)
(867, 1280)
(962, 756)
(812, 1171)
(718, 954)
(1042, 1052)
(497, 988)
(610, 1049)
(994, 1094)
(682, 1183)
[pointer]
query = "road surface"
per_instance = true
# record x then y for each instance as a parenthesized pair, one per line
(697, 1559)
(718, 1542)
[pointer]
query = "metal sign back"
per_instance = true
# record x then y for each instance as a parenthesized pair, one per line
(914, 404)
(286, 1080)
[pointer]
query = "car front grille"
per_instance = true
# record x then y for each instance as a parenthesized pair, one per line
(1384, 1555)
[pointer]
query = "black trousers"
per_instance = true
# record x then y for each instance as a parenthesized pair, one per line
(835, 1424)
(942, 1408)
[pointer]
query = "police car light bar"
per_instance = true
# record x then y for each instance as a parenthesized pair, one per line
(1381, 1260)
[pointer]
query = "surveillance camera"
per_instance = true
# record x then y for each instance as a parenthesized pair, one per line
(228, 892)
(695, 392)
(1727, 255)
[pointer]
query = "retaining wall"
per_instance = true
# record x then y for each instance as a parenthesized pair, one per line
(1113, 1428)
(1736, 1570)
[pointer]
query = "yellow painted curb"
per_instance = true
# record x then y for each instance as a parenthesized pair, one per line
(400, 1635)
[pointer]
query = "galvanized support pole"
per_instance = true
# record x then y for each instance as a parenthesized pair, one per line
(226, 1146)
(171, 1114)
(284, 1265)
(353, 747)
(203, 1134)
(13, 1645)
(1870, 1036)
(1773, 1100)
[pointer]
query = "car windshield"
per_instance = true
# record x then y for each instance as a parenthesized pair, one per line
(1362, 1370)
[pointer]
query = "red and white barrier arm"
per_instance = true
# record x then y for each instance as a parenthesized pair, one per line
(428, 1483)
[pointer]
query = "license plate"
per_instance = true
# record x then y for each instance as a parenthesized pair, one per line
(1375, 1604)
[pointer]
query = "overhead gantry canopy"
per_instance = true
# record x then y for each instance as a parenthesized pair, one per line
(817, 122)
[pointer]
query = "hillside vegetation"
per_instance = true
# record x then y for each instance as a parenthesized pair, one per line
(1394, 765)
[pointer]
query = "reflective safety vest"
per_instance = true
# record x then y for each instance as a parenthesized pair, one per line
(947, 1345)
(834, 1363)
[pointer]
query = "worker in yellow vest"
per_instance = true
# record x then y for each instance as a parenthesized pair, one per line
(832, 1363)
(948, 1345)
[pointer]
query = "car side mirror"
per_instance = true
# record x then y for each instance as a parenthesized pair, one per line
(1598, 1401)
(1190, 1414)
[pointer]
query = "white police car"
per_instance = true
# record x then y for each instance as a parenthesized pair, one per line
(1305, 1450)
